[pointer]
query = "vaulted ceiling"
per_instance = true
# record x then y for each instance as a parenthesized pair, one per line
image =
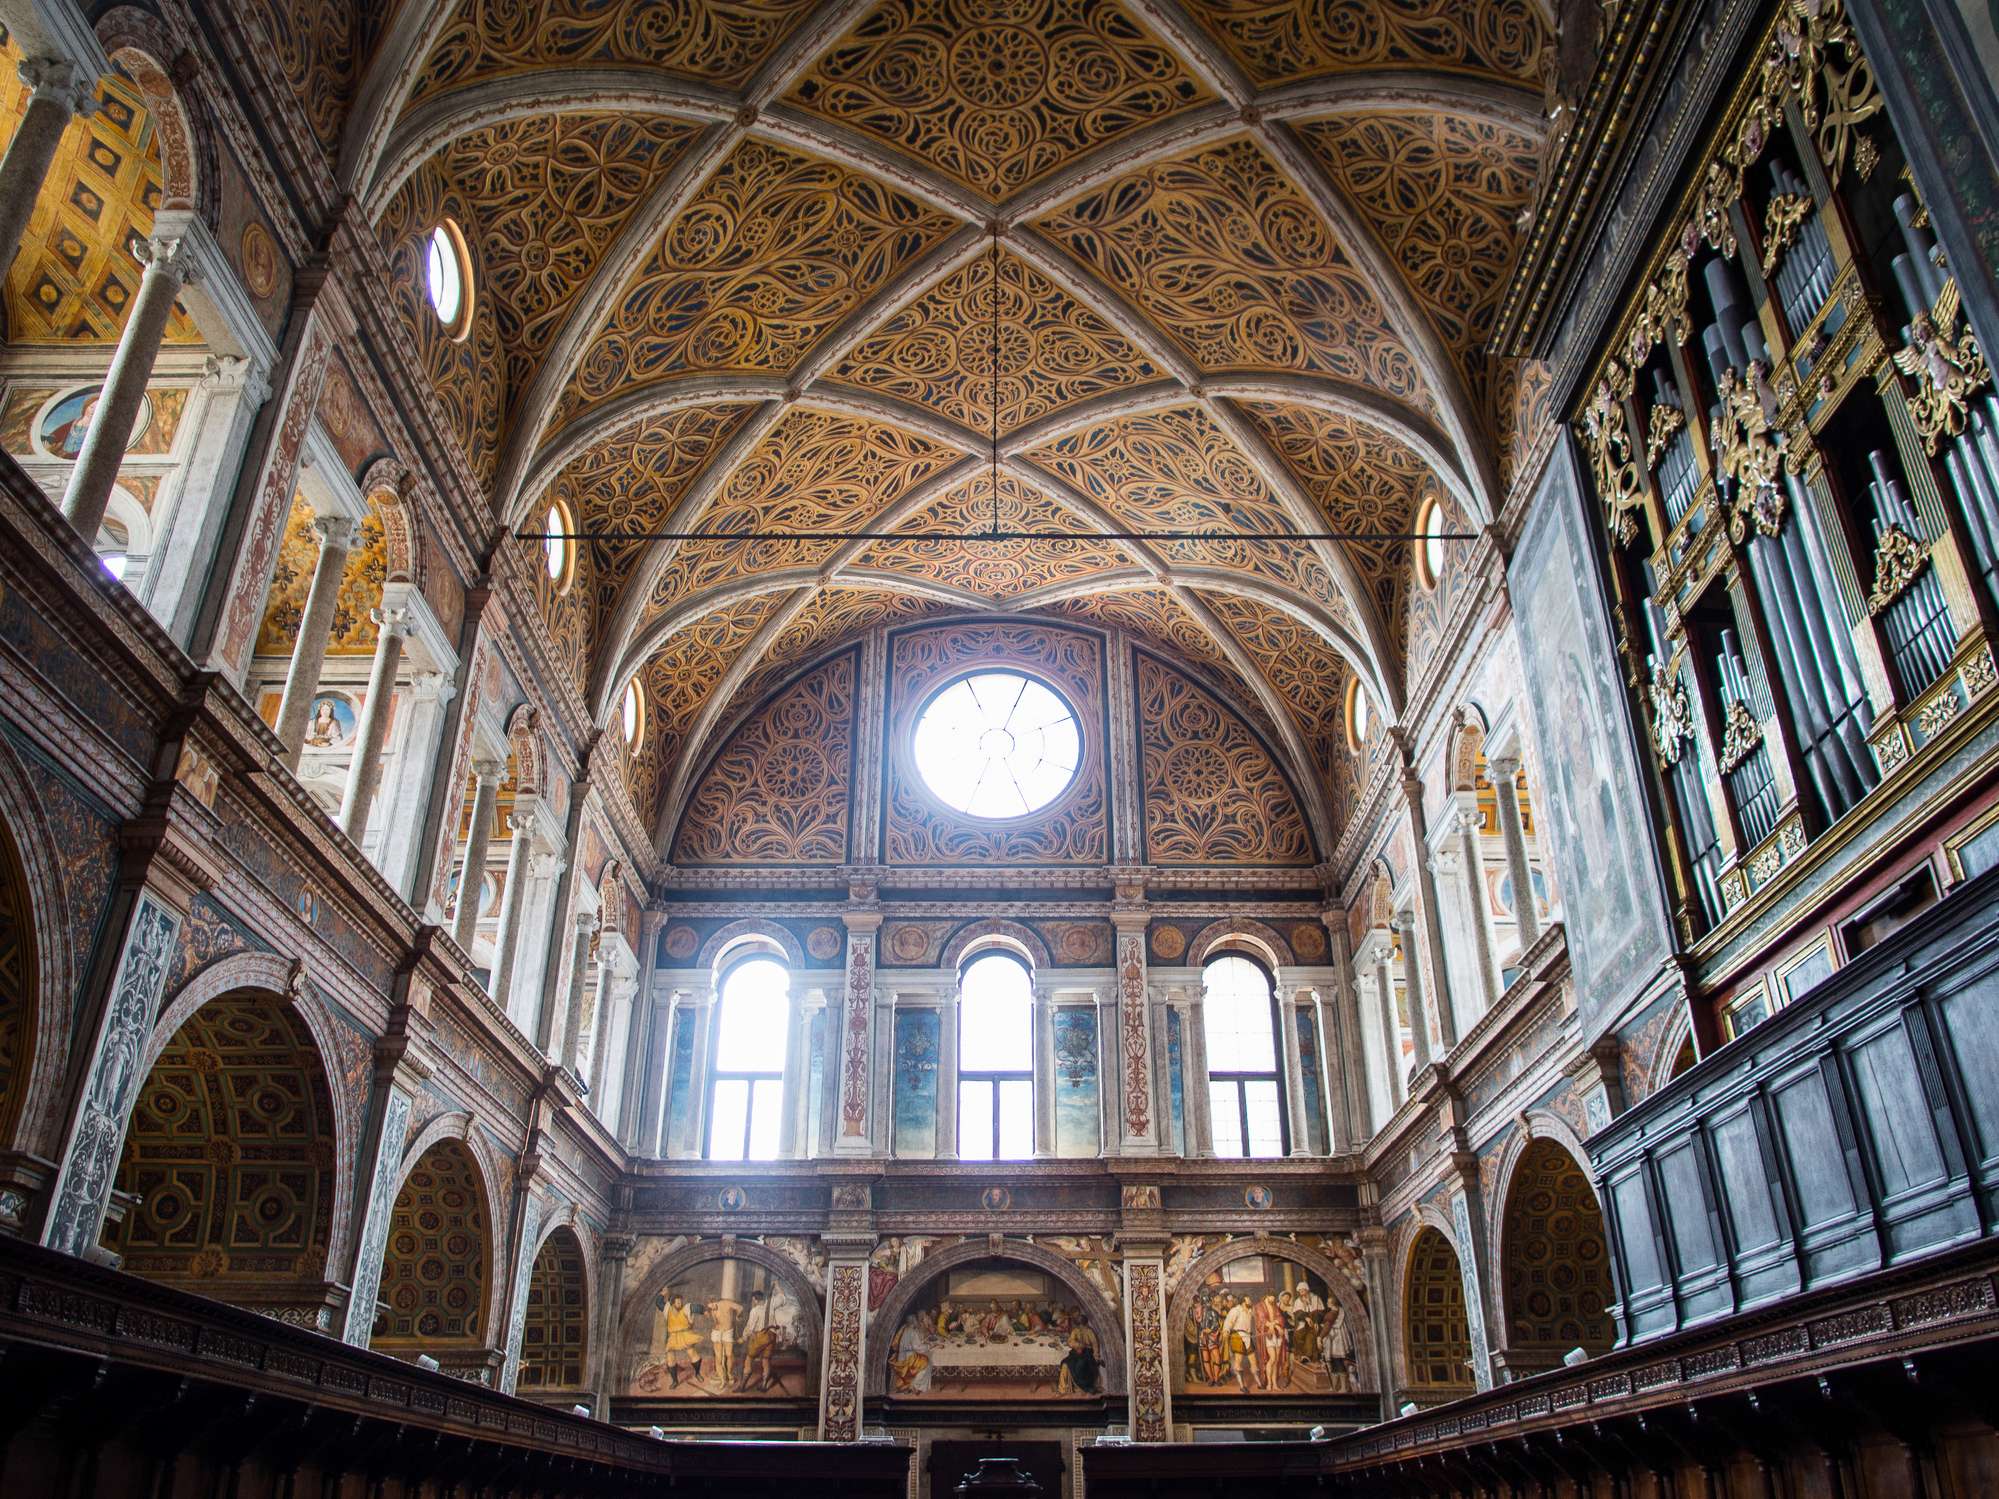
(737, 264)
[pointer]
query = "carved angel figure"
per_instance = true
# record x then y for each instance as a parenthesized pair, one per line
(1946, 365)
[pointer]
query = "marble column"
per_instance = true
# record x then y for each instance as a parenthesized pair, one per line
(792, 1131)
(1044, 1073)
(486, 776)
(315, 632)
(947, 1075)
(1404, 923)
(1469, 859)
(700, 1091)
(1391, 1025)
(1428, 955)
(1297, 1120)
(365, 774)
(1503, 772)
(513, 901)
(614, 1016)
(407, 778)
(169, 267)
(569, 1027)
(1194, 1078)
(1109, 1130)
(58, 91)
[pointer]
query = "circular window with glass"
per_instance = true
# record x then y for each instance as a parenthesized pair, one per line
(997, 745)
(447, 278)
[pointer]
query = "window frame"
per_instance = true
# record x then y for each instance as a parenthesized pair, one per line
(1238, 1078)
(718, 1075)
(914, 729)
(458, 326)
(991, 1076)
(1429, 517)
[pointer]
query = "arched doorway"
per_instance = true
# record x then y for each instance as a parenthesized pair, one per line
(1554, 1262)
(230, 1156)
(1436, 1334)
(555, 1335)
(437, 1266)
(19, 978)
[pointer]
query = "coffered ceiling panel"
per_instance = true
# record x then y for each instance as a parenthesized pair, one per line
(773, 251)
(997, 569)
(815, 471)
(1222, 252)
(719, 43)
(1282, 41)
(938, 353)
(553, 192)
(997, 93)
(1444, 196)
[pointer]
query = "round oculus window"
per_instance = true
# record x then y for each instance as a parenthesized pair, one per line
(997, 744)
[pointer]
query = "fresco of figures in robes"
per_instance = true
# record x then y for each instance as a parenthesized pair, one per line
(1265, 1326)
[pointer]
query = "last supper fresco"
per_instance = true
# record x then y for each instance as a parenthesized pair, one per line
(995, 1332)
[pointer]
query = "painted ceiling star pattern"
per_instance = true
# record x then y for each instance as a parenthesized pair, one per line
(1053, 352)
(774, 250)
(997, 95)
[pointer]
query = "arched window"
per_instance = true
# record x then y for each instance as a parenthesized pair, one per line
(1430, 549)
(1239, 1024)
(631, 713)
(555, 545)
(1357, 715)
(447, 278)
(995, 1059)
(746, 1098)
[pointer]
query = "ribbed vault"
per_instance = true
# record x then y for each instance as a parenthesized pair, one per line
(742, 259)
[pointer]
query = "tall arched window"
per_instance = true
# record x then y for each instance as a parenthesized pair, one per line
(1239, 1023)
(746, 1098)
(995, 1059)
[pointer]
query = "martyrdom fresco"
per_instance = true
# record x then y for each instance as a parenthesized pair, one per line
(995, 1332)
(1265, 1326)
(726, 1329)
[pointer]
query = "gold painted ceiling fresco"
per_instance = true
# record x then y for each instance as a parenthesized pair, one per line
(737, 265)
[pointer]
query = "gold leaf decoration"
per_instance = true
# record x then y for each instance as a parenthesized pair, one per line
(1281, 41)
(997, 569)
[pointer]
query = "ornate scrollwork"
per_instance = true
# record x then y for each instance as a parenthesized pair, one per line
(1898, 557)
(1660, 425)
(1947, 365)
(1672, 715)
(1783, 217)
(1608, 439)
(1741, 733)
(1747, 450)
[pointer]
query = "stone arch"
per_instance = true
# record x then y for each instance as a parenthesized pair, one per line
(251, 1216)
(457, 1130)
(42, 985)
(1669, 1059)
(524, 744)
(1241, 931)
(555, 1331)
(1436, 1325)
(1550, 1249)
(725, 938)
(1098, 1310)
(1467, 764)
(386, 484)
(283, 979)
(1360, 1325)
(1025, 940)
(135, 41)
(635, 1316)
(1381, 904)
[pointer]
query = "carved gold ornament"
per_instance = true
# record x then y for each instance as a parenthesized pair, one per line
(1660, 426)
(1741, 733)
(1672, 715)
(1782, 219)
(1747, 450)
(1898, 557)
(1609, 443)
(1947, 366)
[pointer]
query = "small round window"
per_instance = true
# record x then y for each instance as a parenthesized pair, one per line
(1358, 714)
(997, 744)
(631, 714)
(1429, 542)
(446, 278)
(555, 544)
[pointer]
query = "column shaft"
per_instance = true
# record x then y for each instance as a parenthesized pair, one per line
(790, 1131)
(1044, 1075)
(365, 774)
(512, 900)
(1194, 1080)
(1109, 1128)
(947, 1077)
(1298, 1121)
(315, 633)
(1526, 912)
(472, 874)
(1435, 982)
(567, 1029)
(169, 267)
(1412, 990)
(58, 92)
(1391, 1027)
(1471, 859)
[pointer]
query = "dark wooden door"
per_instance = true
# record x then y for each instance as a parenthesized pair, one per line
(951, 1461)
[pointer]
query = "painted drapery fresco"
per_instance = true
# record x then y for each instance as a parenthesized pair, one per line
(995, 1332)
(1266, 1326)
(726, 1329)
